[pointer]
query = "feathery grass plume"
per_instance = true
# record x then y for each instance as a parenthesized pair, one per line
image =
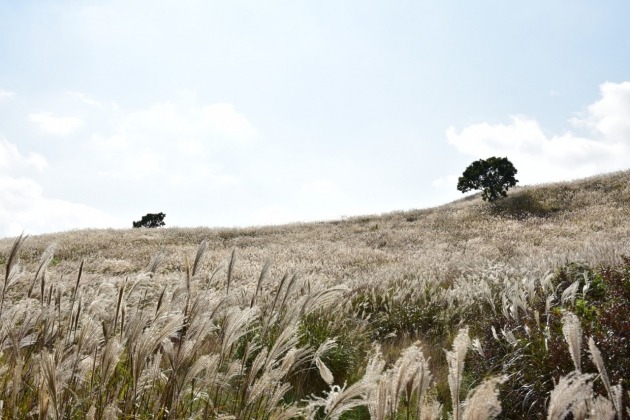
(267, 390)
(188, 378)
(379, 401)
(91, 414)
(200, 251)
(111, 412)
(598, 361)
(569, 395)
(148, 342)
(159, 302)
(546, 283)
(76, 286)
(50, 383)
(287, 413)
(277, 295)
(230, 270)
(410, 376)
(238, 322)
(431, 410)
(274, 398)
(17, 379)
(570, 293)
(338, 400)
(121, 289)
(263, 274)
(602, 409)
(421, 380)
(455, 360)
(403, 372)
(290, 286)
(322, 299)
(10, 270)
(341, 399)
(254, 372)
(110, 356)
(573, 335)
(548, 304)
(154, 263)
(287, 339)
(44, 261)
(324, 348)
(88, 338)
(617, 398)
(18, 326)
(483, 401)
(476, 346)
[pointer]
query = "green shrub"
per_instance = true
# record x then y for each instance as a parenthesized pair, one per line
(345, 361)
(150, 220)
(409, 314)
(524, 204)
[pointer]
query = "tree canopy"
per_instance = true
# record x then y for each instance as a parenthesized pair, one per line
(150, 220)
(493, 176)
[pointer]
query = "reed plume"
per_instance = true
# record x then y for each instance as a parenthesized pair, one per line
(483, 401)
(455, 360)
(573, 335)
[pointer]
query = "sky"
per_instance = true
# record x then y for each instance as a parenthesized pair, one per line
(240, 113)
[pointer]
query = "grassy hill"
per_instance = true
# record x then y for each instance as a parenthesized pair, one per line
(318, 319)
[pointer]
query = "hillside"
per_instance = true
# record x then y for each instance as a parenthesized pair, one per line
(390, 279)
(534, 227)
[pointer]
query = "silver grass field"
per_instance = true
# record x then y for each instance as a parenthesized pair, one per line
(471, 310)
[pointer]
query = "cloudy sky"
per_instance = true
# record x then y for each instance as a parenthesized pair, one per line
(237, 113)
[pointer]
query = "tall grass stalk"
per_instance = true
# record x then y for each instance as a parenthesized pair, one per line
(170, 324)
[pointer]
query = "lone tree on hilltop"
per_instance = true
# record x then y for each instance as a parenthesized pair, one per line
(494, 176)
(150, 220)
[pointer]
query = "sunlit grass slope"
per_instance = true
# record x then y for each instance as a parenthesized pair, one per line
(513, 310)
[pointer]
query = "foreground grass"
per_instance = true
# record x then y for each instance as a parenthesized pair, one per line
(350, 319)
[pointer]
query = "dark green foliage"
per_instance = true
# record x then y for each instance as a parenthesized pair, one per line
(493, 176)
(150, 220)
(539, 356)
(345, 361)
(611, 326)
(406, 315)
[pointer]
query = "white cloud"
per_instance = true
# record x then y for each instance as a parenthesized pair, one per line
(25, 208)
(10, 157)
(171, 140)
(59, 126)
(82, 98)
(5, 94)
(181, 147)
(223, 118)
(610, 116)
(317, 199)
(449, 181)
(543, 157)
(273, 214)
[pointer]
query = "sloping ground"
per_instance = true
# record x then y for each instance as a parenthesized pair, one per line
(501, 270)
(534, 227)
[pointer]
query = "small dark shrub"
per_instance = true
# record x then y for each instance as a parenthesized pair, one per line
(522, 205)
(150, 220)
